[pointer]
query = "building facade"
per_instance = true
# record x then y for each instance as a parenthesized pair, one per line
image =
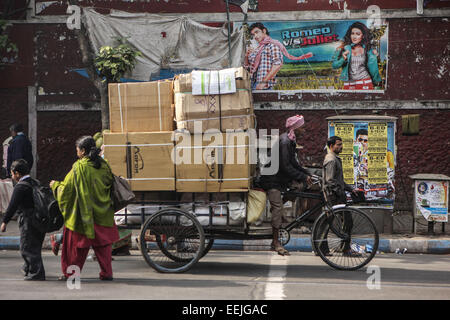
(40, 85)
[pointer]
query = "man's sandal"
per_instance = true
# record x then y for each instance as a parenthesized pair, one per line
(281, 251)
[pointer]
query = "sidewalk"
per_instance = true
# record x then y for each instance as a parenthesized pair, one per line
(437, 244)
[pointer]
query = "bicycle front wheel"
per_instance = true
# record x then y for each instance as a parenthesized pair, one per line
(346, 239)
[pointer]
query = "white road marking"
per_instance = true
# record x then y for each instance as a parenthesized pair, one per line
(277, 275)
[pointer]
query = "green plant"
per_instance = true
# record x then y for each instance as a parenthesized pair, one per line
(113, 62)
(6, 46)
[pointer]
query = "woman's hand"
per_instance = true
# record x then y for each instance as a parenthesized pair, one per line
(52, 183)
(345, 54)
(375, 52)
(3, 227)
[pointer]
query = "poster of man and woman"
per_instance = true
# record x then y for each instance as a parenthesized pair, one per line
(348, 55)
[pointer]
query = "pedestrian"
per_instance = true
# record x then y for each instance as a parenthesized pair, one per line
(358, 61)
(4, 173)
(84, 198)
(265, 59)
(334, 188)
(31, 239)
(291, 175)
(19, 147)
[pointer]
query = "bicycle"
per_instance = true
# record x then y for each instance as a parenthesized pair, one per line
(173, 240)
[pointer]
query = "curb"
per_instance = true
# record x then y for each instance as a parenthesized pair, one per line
(302, 244)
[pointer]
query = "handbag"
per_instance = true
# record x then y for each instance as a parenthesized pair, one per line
(121, 193)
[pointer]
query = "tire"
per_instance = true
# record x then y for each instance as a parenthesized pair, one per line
(172, 241)
(208, 245)
(176, 257)
(328, 237)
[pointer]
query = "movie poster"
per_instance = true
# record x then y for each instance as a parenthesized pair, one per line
(368, 157)
(432, 200)
(348, 55)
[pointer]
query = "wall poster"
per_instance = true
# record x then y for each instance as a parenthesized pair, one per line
(432, 200)
(348, 55)
(368, 157)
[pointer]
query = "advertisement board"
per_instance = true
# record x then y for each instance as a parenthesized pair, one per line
(368, 157)
(349, 55)
(431, 198)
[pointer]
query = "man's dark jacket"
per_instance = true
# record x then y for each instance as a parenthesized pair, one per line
(21, 201)
(289, 168)
(19, 148)
(333, 179)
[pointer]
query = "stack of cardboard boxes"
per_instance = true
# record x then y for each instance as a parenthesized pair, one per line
(200, 156)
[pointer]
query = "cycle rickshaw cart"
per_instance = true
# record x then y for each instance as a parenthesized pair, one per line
(172, 239)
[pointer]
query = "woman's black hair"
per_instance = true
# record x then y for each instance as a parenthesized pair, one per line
(92, 152)
(365, 32)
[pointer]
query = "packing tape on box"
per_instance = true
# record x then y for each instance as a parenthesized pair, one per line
(139, 145)
(126, 106)
(214, 146)
(226, 179)
(149, 179)
(216, 118)
(120, 106)
(159, 106)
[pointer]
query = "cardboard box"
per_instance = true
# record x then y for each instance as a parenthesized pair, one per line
(144, 158)
(206, 164)
(183, 82)
(141, 106)
(224, 112)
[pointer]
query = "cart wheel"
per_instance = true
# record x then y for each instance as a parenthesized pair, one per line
(208, 245)
(172, 241)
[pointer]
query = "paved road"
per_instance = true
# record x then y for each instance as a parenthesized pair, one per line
(239, 275)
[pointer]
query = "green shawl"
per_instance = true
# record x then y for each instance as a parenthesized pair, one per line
(84, 197)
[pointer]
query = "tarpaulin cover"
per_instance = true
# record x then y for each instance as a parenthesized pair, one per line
(166, 42)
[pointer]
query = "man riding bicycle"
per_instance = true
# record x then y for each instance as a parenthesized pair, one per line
(290, 175)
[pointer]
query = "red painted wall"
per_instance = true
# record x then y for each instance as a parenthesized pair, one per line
(427, 152)
(205, 6)
(418, 70)
(57, 133)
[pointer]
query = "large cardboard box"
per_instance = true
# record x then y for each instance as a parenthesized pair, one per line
(183, 82)
(223, 112)
(212, 163)
(144, 159)
(141, 106)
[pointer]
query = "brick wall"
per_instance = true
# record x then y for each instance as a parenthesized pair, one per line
(427, 152)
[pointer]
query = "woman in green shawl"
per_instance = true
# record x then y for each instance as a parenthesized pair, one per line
(84, 198)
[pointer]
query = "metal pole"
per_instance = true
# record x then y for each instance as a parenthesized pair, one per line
(229, 31)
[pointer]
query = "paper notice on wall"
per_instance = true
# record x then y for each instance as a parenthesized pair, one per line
(347, 168)
(345, 131)
(377, 168)
(377, 137)
(213, 82)
(432, 200)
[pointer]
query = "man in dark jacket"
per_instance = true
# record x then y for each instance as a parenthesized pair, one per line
(30, 238)
(19, 147)
(290, 175)
(334, 187)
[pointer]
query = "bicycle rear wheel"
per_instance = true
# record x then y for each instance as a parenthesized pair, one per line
(346, 239)
(172, 241)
